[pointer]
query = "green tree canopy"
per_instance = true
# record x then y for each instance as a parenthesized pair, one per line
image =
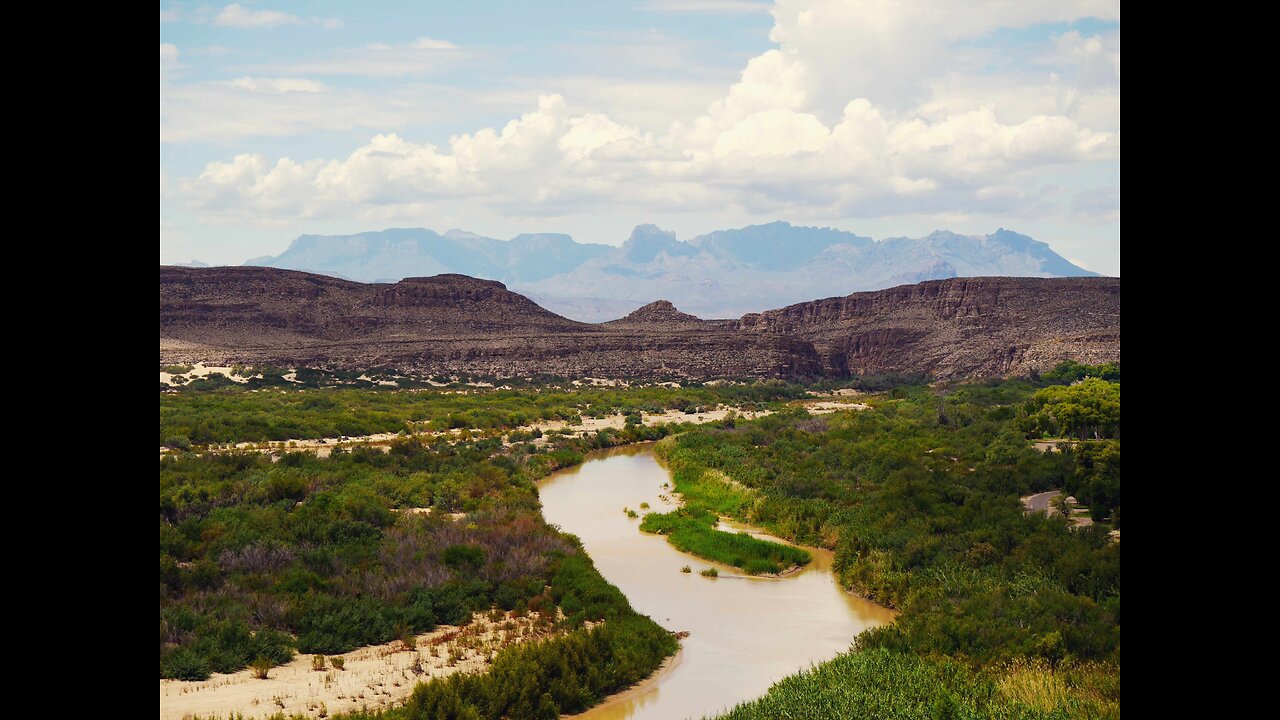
(1089, 409)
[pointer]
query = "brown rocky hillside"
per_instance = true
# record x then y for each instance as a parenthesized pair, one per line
(455, 323)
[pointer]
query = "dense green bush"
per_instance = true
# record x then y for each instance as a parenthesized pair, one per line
(1088, 410)
(1096, 480)
(1070, 371)
(919, 498)
(561, 675)
(184, 664)
(259, 558)
(692, 529)
(900, 686)
(331, 625)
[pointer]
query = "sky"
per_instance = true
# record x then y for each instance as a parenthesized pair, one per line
(887, 118)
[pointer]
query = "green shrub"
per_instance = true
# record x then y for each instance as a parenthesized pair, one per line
(184, 664)
(464, 558)
(562, 675)
(261, 668)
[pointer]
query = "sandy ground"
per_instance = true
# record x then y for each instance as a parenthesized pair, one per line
(617, 422)
(377, 676)
(842, 392)
(455, 516)
(823, 407)
(366, 378)
(200, 370)
(601, 382)
(323, 446)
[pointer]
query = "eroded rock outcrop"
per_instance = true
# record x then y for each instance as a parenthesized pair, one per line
(658, 314)
(455, 323)
(957, 327)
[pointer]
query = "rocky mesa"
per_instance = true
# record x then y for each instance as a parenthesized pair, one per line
(455, 323)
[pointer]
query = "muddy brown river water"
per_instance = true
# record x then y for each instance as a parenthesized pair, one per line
(744, 633)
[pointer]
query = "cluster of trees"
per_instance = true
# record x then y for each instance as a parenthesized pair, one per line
(1088, 410)
(920, 498)
(1070, 371)
(1096, 479)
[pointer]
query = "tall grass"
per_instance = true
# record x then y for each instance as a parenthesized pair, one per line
(901, 686)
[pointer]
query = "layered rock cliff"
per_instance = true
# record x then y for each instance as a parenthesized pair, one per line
(454, 323)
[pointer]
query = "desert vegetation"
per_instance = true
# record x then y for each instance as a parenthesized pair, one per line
(233, 412)
(263, 558)
(1003, 614)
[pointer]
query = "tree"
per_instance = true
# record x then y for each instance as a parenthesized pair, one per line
(1090, 409)
(1096, 478)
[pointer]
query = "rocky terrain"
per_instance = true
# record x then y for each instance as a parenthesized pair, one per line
(454, 323)
(963, 326)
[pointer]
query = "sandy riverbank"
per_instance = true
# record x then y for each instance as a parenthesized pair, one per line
(377, 676)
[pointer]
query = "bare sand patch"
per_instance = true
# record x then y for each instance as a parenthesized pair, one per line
(617, 422)
(600, 382)
(842, 392)
(200, 370)
(378, 676)
(824, 407)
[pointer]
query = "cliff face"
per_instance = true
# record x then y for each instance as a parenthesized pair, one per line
(454, 323)
(957, 327)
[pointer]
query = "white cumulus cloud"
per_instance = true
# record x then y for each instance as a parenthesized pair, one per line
(861, 108)
(426, 43)
(234, 15)
(275, 85)
(237, 16)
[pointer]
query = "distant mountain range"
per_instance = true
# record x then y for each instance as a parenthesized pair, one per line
(721, 274)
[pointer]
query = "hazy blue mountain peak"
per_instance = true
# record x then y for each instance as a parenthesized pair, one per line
(648, 241)
(456, 234)
(725, 273)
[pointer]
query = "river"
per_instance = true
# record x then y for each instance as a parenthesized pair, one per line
(744, 633)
